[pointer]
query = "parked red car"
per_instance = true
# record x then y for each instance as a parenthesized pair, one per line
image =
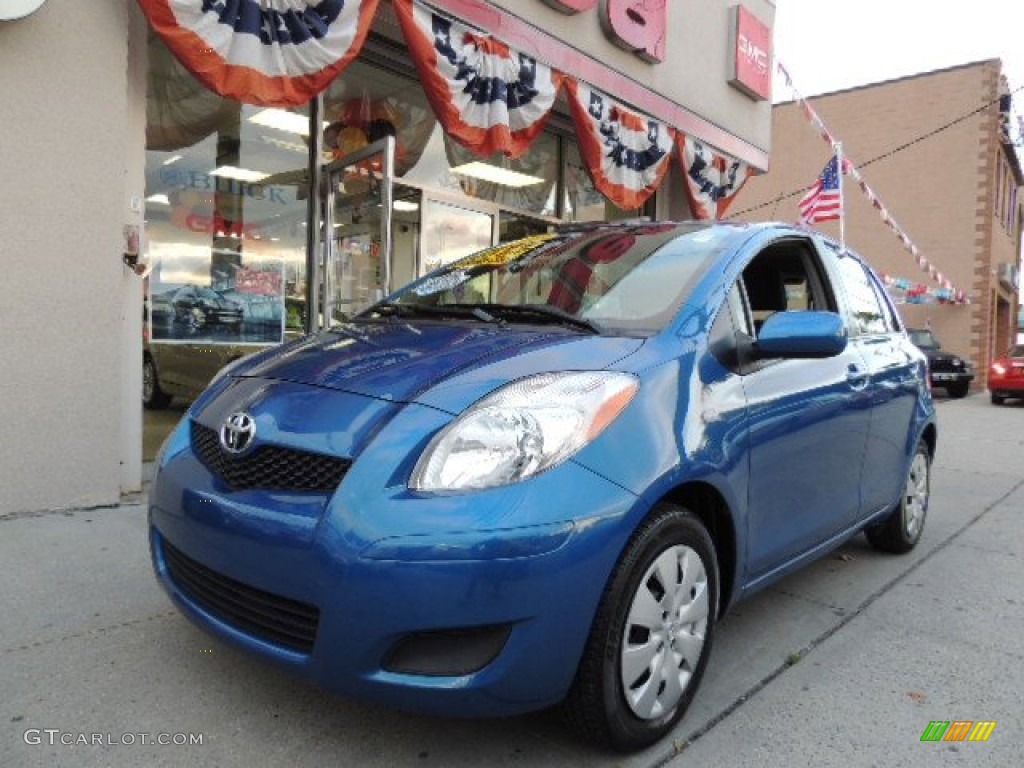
(1006, 375)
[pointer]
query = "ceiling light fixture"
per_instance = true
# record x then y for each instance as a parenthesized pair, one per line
(282, 120)
(239, 174)
(496, 175)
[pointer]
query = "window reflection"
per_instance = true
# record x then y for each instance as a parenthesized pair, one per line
(225, 212)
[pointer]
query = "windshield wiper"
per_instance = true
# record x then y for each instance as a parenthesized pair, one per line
(398, 309)
(543, 313)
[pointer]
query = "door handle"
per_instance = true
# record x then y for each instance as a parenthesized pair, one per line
(857, 378)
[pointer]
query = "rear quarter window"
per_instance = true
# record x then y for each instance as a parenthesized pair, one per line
(867, 312)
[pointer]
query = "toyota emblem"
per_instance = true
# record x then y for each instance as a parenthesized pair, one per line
(237, 432)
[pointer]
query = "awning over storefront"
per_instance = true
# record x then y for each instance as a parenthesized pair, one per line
(488, 96)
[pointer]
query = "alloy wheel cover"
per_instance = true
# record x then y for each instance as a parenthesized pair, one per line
(916, 496)
(664, 632)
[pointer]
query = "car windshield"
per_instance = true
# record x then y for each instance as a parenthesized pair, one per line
(207, 293)
(1017, 351)
(924, 339)
(620, 279)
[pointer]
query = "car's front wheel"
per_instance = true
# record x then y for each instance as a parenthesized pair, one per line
(901, 530)
(652, 634)
(997, 399)
(153, 398)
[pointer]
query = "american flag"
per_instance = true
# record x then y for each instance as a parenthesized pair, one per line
(823, 201)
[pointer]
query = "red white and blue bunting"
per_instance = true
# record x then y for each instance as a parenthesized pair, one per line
(712, 179)
(627, 153)
(270, 52)
(487, 96)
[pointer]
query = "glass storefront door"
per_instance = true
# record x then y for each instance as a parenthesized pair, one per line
(451, 232)
(357, 227)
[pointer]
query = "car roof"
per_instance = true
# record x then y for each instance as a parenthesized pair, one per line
(689, 224)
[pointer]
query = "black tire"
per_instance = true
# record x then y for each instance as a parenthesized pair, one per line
(997, 399)
(958, 390)
(153, 398)
(902, 529)
(602, 704)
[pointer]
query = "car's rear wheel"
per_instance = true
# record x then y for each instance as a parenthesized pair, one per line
(153, 398)
(998, 399)
(652, 634)
(958, 390)
(901, 530)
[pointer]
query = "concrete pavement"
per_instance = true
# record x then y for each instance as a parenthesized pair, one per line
(842, 664)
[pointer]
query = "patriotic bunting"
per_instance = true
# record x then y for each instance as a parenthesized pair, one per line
(626, 153)
(488, 97)
(712, 179)
(269, 52)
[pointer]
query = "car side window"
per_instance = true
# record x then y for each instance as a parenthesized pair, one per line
(868, 315)
(785, 277)
(892, 317)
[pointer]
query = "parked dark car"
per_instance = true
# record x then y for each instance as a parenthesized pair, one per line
(1006, 375)
(183, 370)
(198, 307)
(946, 370)
(542, 473)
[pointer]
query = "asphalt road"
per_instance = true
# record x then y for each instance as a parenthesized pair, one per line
(844, 664)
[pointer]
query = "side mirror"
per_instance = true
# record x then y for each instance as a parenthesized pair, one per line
(802, 334)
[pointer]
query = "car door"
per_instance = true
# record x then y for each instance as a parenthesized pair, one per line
(894, 379)
(808, 420)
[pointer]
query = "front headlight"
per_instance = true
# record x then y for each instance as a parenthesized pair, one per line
(998, 368)
(521, 429)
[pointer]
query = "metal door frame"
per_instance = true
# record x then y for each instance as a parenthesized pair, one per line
(330, 172)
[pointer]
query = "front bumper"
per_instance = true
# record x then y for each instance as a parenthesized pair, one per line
(379, 564)
(951, 377)
(946, 378)
(1006, 386)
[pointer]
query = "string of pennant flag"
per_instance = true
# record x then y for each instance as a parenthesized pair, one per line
(905, 290)
(947, 292)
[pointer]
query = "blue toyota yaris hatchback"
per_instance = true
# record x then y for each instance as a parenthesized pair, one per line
(543, 472)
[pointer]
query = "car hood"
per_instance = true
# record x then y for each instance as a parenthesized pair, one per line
(442, 365)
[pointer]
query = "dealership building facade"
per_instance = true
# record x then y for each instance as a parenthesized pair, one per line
(142, 174)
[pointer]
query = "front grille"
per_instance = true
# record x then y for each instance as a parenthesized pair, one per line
(268, 467)
(267, 616)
